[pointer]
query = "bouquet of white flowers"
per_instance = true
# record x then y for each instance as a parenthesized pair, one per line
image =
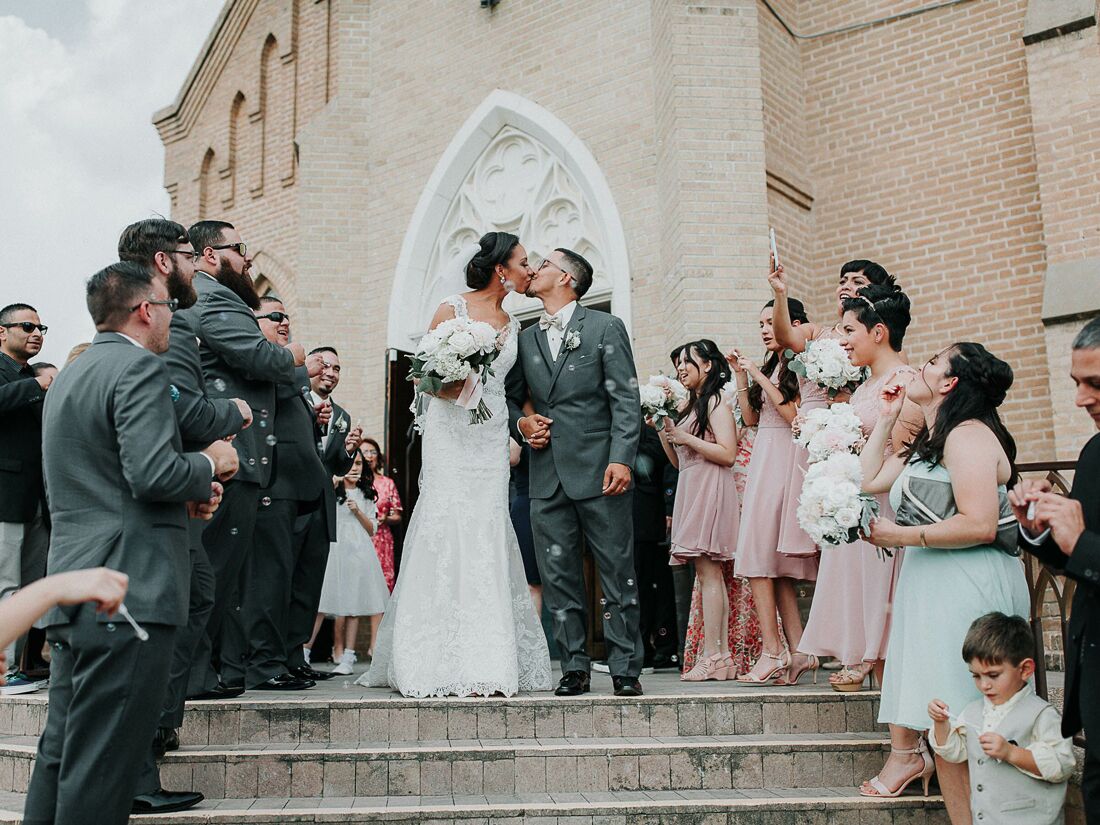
(829, 430)
(662, 397)
(832, 509)
(826, 363)
(456, 350)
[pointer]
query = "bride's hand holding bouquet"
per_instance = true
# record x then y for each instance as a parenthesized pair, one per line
(452, 362)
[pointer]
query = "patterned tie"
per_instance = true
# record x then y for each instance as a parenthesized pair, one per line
(547, 321)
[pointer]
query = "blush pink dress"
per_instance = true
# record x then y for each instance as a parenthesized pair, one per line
(850, 615)
(706, 515)
(770, 543)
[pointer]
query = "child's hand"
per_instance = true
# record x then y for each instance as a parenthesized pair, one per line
(995, 746)
(938, 711)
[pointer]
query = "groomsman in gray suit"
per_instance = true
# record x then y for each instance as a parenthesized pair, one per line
(162, 246)
(577, 371)
(120, 490)
(237, 362)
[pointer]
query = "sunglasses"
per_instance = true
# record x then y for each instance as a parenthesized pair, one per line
(241, 248)
(171, 303)
(277, 317)
(27, 326)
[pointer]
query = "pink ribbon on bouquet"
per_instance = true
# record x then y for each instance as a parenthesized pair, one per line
(470, 396)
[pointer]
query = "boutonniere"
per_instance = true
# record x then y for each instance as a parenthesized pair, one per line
(572, 340)
(342, 425)
(174, 393)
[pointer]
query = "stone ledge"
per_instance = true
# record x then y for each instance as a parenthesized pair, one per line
(1071, 291)
(1047, 19)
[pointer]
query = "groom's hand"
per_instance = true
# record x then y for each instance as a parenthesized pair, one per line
(616, 479)
(536, 429)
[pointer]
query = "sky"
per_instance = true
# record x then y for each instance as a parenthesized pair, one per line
(79, 156)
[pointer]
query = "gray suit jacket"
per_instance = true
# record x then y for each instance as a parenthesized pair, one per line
(116, 478)
(238, 362)
(590, 392)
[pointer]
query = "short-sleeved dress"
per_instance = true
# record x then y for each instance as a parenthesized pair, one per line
(706, 515)
(939, 594)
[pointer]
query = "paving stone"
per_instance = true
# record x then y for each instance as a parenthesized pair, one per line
(561, 773)
(692, 719)
(284, 726)
(549, 723)
(635, 720)
(338, 778)
(832, 717)
(747, 770)
(804, 717)
(491, 723)
(374, 725)
(404, 777)
(716, 770)
(272, 778)
(778, 770)
(466, 776)
(622, 773)
(435, 777)
(404, 723)
(530, 774)
(607, 721)
(432, 724)
(306, 779)
(654, 772)
(578, 720)
(499, 776)
(592, 773)
(314, 724)
(749, 718)
(372, 778)
(520, 722)
(720, 719)
(240, 779)
(344, 725)
(775, 717)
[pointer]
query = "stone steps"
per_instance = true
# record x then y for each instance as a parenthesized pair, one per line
(804, 806)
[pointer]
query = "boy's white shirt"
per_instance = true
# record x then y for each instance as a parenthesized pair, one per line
(1053, 754)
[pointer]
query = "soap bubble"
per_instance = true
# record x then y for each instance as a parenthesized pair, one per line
(630, 582)
(266, 501)
(219, 385)
(263, 423)
(555, 550)
(610, 385)
(607, 615)
(572, 367)
(271, 441)
(633, 383)
(111, 627)
(609, 349)
(233, 531)
(603, 601)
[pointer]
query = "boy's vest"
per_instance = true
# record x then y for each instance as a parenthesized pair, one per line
(1001, 794)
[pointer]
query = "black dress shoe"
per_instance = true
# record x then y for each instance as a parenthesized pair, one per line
(161, 801)
(308, 673)
(626, 686)
(222, 691)
(285, 682)
(164, 740)
(573, 683)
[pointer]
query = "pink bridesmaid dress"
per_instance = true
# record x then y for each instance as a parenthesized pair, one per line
(706, 514)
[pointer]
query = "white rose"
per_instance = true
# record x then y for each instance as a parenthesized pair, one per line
(848, 517)
(463, 343)
(484, 335)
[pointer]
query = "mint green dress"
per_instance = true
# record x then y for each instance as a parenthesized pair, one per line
(939, 594)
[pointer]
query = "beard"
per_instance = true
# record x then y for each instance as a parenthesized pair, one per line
(240, 283)
(180, 289)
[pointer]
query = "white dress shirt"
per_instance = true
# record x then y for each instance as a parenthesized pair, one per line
(555, 336)
(315, 399)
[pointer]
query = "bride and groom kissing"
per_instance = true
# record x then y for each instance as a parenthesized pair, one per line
(461, 621)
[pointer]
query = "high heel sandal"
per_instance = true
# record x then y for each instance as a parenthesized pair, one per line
(794, 674)
(777, 672)
(850, 679)
(924, 774)
(712, 667)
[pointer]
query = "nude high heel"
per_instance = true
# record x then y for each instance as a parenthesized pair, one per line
(783, 662)
(712, 667)
(794, 674)
(924, 774)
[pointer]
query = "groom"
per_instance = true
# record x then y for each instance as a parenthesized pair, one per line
(577, 370)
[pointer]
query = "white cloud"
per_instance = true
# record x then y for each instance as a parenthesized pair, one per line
(79, 157)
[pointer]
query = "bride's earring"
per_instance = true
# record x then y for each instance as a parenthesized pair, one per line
(503, 280)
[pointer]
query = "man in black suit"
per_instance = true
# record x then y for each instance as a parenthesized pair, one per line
(24, 536)
(1064, 533)
(162, 246)
(237, 362)
(120, 490)
(297, 517)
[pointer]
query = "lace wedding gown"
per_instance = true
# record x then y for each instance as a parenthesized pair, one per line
(461, 621)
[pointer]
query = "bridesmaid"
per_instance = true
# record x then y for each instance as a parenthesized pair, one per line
(850, 616)
(389, 508)
(773, 551)
(702, 446)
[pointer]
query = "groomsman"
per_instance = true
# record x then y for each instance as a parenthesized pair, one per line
(24, 536)
(1064, 533)
(237, 362)
(162, 246)
(120, 490)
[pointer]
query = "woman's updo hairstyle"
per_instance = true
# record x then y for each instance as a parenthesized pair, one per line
(882, 304)
(496, 248)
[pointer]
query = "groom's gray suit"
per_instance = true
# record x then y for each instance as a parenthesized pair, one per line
(591, 393)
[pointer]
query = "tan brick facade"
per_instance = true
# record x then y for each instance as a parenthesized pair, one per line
(939, 145)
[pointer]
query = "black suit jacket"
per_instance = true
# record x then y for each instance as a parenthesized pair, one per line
(1083, 566)
(649, 488)
(21, 397)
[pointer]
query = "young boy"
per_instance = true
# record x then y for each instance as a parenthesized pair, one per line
(1019, 762)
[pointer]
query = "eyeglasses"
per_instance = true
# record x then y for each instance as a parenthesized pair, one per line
(277, 317)
(546, 262)
(171, 303)
(194, 256)
(241, 248)
(27, 326)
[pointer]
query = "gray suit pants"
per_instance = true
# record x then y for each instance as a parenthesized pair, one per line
(106, 693)
(607, 526)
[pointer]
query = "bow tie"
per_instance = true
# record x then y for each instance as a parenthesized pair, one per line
(547, 321)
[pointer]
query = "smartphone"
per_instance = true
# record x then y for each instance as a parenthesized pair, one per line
(775, 251)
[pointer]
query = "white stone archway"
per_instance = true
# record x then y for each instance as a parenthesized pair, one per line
(515, 167)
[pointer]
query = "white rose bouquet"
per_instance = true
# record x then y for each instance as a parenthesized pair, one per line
(662, 397)
(825, 362)
(456, 350)
(832, 509)
(829, 430)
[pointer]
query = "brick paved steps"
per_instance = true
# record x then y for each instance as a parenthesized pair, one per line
(796, 806)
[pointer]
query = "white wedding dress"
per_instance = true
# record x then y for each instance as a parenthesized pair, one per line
(461, 620)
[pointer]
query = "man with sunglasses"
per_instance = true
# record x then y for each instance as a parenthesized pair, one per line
(237, 362)
(24, 536)
(163, 248)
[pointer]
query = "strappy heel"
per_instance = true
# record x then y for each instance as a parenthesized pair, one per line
(850, 679)
(712, 668)
(924, 774)
(777, 672)
(794, 674)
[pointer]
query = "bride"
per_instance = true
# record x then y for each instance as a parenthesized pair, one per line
(461, 621)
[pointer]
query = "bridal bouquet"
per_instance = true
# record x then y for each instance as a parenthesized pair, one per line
(826, 363)
(662, 397)
(832, 509)
(829, 430)
(456, 350)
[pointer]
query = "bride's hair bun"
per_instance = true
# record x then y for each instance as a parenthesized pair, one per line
(495, 248)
